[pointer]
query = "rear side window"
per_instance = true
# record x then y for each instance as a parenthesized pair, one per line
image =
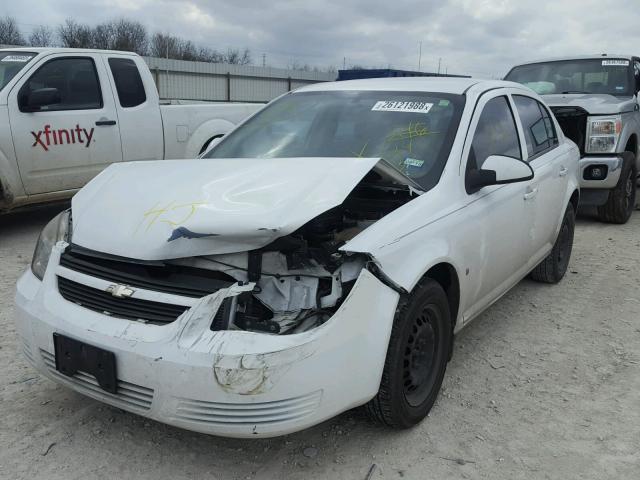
(496, 134)
(128, 82)
(539, 131)
(75, 79)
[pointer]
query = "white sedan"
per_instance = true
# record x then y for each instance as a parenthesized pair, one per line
(320, 257)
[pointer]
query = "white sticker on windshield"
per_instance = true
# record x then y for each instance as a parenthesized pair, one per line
(16, 58)
(397, 106)
(413, 162)
(615, 63)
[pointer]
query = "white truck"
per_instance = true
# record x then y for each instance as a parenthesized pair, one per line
(66, 114)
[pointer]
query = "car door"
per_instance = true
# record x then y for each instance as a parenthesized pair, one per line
(501, 215)
(137, 108)
(61, 146)
(548, 159)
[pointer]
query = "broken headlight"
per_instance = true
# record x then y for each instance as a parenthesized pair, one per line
(603, 134)
(57, 229)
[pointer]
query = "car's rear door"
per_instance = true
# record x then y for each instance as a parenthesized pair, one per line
(64, 145)
(137, 107)
(548, 159)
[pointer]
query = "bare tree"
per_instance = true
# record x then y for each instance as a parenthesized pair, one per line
(10, 32)
(237, 57)
(75, 35)
(41, 36)
(102, 36)
(130, 36)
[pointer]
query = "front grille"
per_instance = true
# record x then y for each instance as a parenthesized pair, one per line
(157, 276)
(129, 308)
(573, 121)
(128, 395)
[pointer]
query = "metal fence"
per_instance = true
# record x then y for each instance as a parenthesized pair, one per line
(218, 82)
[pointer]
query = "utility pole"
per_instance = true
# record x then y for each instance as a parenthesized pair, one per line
(264, 60)
(344, 63)
(420, 56)
(439, 62)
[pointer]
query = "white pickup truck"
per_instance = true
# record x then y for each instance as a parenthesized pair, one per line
(66, 114)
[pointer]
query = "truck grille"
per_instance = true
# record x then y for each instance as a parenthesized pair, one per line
(573, 121)
(156, 276)
(129, 308)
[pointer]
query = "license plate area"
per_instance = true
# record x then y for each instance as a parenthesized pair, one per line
(73, 356)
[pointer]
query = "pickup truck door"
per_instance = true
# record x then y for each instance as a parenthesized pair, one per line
(499, 217)
(549, 161)
(137, 106)
(63, 145)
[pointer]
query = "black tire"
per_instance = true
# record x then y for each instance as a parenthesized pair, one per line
(416, 358)
(554, 266)
(622, 198)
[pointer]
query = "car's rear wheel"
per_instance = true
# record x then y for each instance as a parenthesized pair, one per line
(416, 358)
(554, 266)
(622, 198)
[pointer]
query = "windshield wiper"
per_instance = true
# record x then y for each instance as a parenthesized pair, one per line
(569, 92)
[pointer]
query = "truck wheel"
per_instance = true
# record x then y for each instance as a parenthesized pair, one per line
(554, 266)
(416, 358)
(622, 198)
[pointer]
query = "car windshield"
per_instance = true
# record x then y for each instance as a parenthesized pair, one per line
(603, 75)
(11, 63)
(413, 131)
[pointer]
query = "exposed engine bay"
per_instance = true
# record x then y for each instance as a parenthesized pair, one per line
(302, 278)
(573, 121)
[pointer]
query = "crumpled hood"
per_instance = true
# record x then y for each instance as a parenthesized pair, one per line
(181, 208)
(595, 104)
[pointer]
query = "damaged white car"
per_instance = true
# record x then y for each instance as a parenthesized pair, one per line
(320, 257)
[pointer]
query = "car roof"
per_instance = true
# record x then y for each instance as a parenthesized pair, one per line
(595, 56)
(450, 85)
(63, 50)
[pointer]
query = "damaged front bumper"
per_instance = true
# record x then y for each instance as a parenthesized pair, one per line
(231, 383)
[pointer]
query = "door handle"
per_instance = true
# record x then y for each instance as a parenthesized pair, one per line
(531, 193)
(105, 122)
(563, 171)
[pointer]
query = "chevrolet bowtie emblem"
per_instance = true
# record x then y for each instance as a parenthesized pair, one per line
(120, 291)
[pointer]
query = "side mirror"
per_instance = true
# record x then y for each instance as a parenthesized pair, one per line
(498, 170)
(42, 97)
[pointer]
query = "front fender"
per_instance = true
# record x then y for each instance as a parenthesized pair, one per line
(205, 132)
(10, 181)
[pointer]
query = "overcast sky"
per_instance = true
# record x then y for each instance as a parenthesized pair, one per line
(477, 37)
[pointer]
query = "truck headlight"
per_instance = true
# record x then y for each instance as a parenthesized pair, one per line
(57, 229)
(603, 134)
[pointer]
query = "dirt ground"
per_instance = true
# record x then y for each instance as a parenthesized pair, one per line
(544, 385)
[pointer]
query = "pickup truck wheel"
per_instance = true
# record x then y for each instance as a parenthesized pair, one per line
(554, 266)
(622, 198)
(416, 358)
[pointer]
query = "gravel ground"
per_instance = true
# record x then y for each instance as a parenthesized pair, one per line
(545, 384)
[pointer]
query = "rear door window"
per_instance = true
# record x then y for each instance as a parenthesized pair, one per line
(128, 82)
(539, 130)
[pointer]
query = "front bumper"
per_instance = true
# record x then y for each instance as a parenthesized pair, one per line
(614, 167)
(229, 383)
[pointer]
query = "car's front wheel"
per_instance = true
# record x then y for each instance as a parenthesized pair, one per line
(416, 358)
(554, 266)
(622, 198)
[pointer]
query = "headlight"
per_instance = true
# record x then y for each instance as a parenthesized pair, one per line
(56, 230)
(603, 134)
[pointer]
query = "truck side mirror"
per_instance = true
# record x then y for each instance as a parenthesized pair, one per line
(35, 100)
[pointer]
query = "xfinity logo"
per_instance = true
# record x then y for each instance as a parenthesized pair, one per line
(120, 291)
(47, 137)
